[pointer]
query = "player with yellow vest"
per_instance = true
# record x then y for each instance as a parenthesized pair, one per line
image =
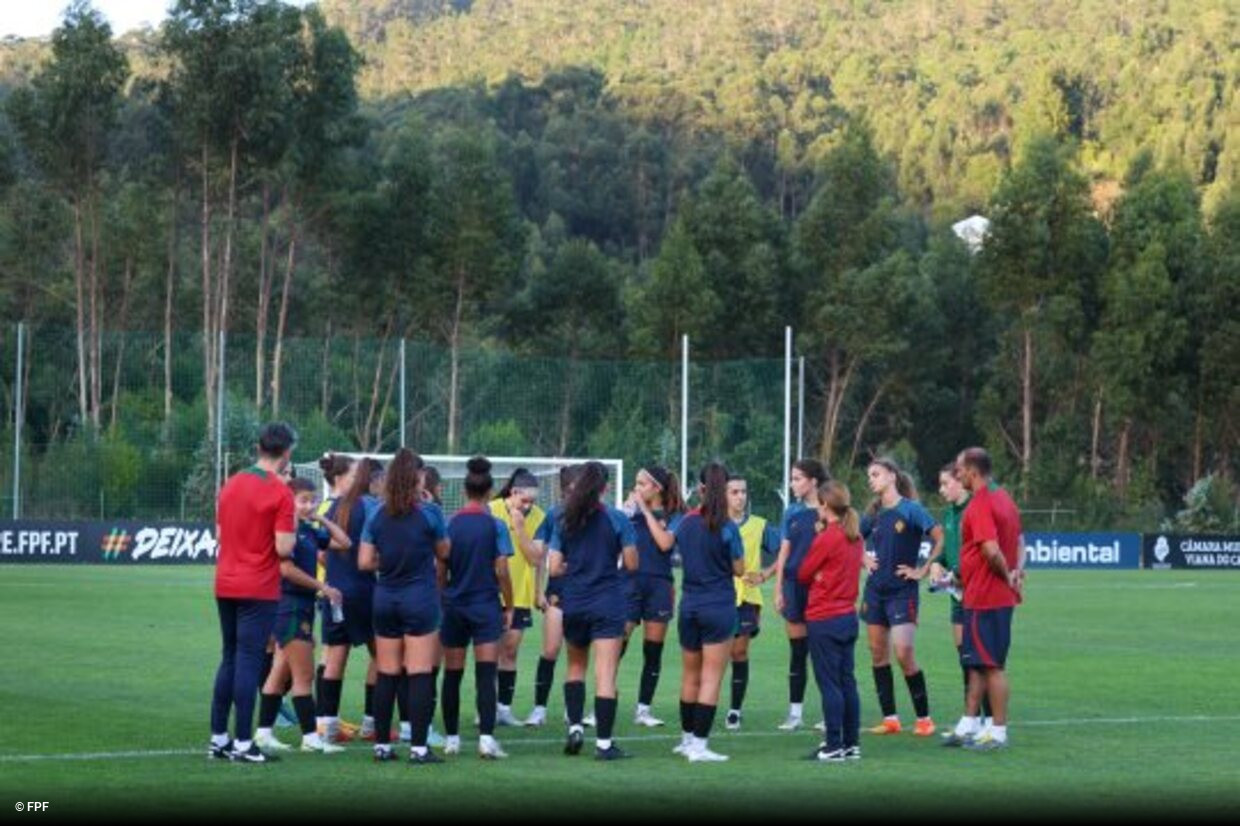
(516, 508)
(759, 538)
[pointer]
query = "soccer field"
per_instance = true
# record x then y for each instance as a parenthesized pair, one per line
(1124, 698)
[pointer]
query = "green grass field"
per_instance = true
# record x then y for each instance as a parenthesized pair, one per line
(1124, 700)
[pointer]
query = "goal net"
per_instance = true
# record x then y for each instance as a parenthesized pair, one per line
(452, 474)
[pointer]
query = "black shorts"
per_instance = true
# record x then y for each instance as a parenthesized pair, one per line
(706, 625)
(889, 611)
(358, 627)
(583, 628)
(987, 638)
(522, 618)
(403, 613)
(748, 620)
(479, 622)
(295, 620)
(651, 599)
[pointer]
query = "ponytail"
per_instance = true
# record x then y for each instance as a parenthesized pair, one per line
(836, 498)
(714, 479)
(673, 499)
(478, 481)
(583, 498)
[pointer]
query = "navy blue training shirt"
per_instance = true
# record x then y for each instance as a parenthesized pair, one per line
(592, 555)
(706, 558)
(311, 539)
(478, 539)
(894, 535)
(342, 570)
(406, 546)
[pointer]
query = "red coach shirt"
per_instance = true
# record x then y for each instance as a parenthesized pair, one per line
(253, 506)
(832, 570)
(991, 516)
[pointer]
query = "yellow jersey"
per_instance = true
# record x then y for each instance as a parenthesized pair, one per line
(320, 571)
(756, 535)
(523, 573)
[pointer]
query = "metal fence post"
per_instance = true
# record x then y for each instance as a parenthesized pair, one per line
(219, 416)
(787, 470)
(684, 411)
(801, 408)
(18, 410)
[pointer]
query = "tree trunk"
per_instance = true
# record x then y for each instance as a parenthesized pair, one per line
(837, 391)
(264, 301)
(79, 285)
(1095, 461)
(229, 231)
(387, 402)
(1026, 404)
(1121, 461)
(1197, 444)
(277, 357)
(122, 320)
(96, 333)
(372, 407)
(865, 420)
(566, 402)
(208, 299)
(325, 369)
(454, 378)
(169, 288)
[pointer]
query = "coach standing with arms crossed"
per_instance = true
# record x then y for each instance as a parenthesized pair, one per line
(990, 546)
(256, 528)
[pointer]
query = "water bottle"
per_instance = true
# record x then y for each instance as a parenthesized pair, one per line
(337, 612)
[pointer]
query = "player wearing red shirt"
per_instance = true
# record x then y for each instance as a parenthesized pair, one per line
(990, 543)
(832, 572)
(255, 528)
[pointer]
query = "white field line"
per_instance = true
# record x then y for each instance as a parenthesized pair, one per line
(640, 738)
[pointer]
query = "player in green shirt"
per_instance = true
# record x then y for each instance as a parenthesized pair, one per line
(945, 571)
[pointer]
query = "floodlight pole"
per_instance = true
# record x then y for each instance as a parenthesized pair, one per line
(684, 412)
(801, 408)
(783, 493)
(403, 417)
(18, 410)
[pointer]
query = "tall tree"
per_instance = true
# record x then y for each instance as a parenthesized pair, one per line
(64, 119)
(1042, 248)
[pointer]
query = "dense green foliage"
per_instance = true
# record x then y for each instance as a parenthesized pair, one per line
(534, 192)
(1105, 668)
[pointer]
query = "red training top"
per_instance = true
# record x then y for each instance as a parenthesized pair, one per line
(991, 516)
(254, 505)
(832, 570)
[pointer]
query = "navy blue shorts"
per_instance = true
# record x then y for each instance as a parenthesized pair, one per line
(889, 611)
(404, 613)
(295, 619)
(358, 627)
(748, 620)
(583, 628)
(795, 598)
(987, 637)
(477, 622)
(522, 618)
(651, 599)
(555, 590)
(706, 625)
(957, 612)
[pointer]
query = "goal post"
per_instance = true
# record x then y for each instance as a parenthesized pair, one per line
(452, 470)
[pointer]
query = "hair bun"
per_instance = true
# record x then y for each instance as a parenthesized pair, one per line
(326, 462)
(478, 465)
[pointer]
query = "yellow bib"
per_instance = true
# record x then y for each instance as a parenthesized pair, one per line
(524, 575)
(752, 531)
(320, 572)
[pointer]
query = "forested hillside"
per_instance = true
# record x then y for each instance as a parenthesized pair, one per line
(552, 188)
